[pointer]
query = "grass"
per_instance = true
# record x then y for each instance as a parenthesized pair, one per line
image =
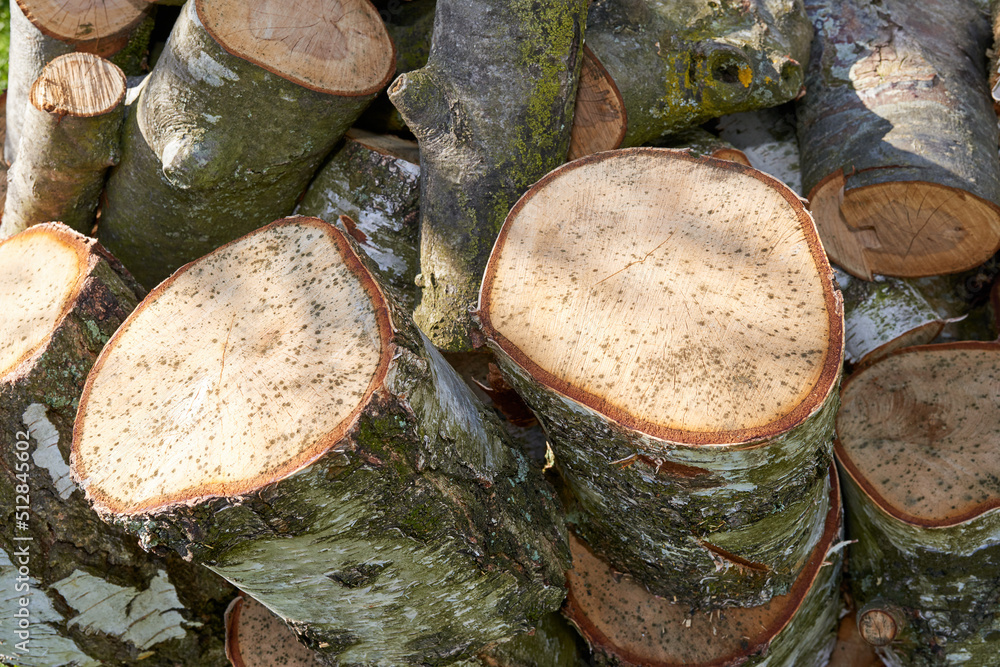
(4, 42)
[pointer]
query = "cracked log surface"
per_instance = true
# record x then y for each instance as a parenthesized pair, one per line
(628, 626)
(677, 64)
(681, 345)
(96, 597)
(375, 181)
(311, 446)
(42, 30)
(206, 146)
(899, 137)
(71, 136)
(492, 111)
(918, 437)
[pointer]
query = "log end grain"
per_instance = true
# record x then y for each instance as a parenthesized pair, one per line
(97, 26)
(81, 85)
(255, 637)
(689, 299)
(600, 120)
(340, 47)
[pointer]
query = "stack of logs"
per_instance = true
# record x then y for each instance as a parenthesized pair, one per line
(497, 332)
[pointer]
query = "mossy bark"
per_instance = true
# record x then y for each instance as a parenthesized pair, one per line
(206, 149)
(715, 526)
(679, 64)
(885, 315)
(944, 580)
(420, 538)
(95, 597)
(31, 51)
(492, 110)
(370, 180)
(59, 171)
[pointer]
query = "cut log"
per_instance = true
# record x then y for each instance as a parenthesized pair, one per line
(255, 637)
(883, 316)
(42, 30)
(767, 137)
(71, 137)
(672, 322)
(492, 111)
(207, 148)
(918, 438)
(676, 65)
(899, 138)
(599, 118)
(375, 181)
(629, 626)
(851, 650)
(311, 446)
(95, 597)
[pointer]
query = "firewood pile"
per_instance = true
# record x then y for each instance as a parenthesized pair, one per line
(500, 333)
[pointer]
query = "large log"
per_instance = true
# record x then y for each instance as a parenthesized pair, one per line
(206, 147)
(310, 445)
(71, 137)
(628, 626)
(74, 590)
(492, 110)
(675, 65)
(42, 30)
(375, 181)
(918, 438)
(899, 138)
(673, 323)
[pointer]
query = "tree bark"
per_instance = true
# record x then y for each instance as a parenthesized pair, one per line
(677, 65)
(919, 476)
(377, 507)
(686, 476)
(206, 147)
(701, 142)
(899, 138)
(375, 181)
(492, 111)
(626, 625)
(767, 137)
(42, 30)
(71, 137)
(95, 597)
(883, 316)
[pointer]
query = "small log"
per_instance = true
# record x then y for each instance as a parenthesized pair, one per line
(95, 597)
(628, 626)
(851, 650)
(767, 137)
(899, 138)
(492, 110)
(311, 446)
(71, 137)
(701, 142)
(375, 181)
(672, 322)
(207, 149)
(883, 316)
(918, 438)
(599, 118)
(42, 30)
(677, 65)
(255, 637)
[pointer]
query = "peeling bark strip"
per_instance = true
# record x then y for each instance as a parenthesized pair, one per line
(311, 446)
(657, 325)
(918, 439)
(71, 136)
(492, 111)
(676, 65)
(375, 180)
(883, 316)
(96, 597)
(206, 146)
(628, 626)
(42, 30)
(899, 138)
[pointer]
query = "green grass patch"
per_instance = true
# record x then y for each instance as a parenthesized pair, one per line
(4, 42)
